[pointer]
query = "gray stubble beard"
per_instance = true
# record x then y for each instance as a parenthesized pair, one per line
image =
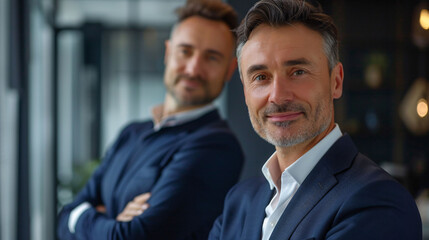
(288, 141)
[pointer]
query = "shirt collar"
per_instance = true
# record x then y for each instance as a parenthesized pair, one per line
(300, 169)
(181, 117)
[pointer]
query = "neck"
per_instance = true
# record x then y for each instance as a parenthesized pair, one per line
(171, 107)
(288, 155)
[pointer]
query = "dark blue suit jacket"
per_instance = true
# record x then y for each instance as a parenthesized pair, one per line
(187, 168)
(346, 196)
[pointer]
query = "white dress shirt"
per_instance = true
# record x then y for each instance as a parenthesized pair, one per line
(291, 179)
(170, 121)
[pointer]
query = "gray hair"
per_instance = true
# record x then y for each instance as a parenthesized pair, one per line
(288, 12)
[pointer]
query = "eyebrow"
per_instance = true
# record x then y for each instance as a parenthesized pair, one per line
(293, 62)
(299, 61)
(255, 68)
(210, 51)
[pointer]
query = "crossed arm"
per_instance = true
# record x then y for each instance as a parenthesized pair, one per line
(185, 199)
(134, 208)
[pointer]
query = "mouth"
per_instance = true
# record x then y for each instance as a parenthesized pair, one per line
(284, 116)
(190, 83)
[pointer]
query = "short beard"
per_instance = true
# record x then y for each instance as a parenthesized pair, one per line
(288, 140)
(191, 101)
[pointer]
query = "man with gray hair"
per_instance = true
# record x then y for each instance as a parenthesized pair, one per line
(317, 185)
(166, 178)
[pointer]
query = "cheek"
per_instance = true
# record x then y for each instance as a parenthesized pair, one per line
(256, 98)
(175, 64)
(320, 98)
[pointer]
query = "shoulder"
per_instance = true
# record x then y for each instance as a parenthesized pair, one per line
(365, 176)
(127, 135)
(216, 127)
(246, 190)
(216, 133)
(136, 127)
(368, 186)
(366, 173)
(209, 124)
(371, 183)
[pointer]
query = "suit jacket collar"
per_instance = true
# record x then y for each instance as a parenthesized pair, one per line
(320, 181)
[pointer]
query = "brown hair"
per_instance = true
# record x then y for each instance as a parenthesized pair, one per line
(287, 12)
(211, 9)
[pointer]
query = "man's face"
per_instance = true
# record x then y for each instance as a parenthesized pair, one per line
(287, 85)
(199, 60)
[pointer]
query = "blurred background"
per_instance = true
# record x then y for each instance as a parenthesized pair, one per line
(74, 72)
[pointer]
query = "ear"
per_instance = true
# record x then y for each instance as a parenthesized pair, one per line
(167, 51)
(337, 76)
(231, 68)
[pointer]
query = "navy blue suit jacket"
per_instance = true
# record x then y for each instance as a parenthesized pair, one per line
(346, 196)
(188, 169)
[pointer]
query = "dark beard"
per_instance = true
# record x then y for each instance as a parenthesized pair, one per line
(195, 101)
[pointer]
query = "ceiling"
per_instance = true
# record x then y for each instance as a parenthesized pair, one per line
(117, 12)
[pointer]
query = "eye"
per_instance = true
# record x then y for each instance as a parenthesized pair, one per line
(213, 57)
(260, 77)
(185, 51)
(298, 72)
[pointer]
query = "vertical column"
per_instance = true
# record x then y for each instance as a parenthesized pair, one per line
(18, 77)
(8, 133)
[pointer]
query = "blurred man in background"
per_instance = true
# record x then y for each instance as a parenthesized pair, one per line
(167, 178)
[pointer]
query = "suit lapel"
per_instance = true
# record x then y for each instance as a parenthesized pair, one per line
(304, 200)
(255, 217)
(317, 184)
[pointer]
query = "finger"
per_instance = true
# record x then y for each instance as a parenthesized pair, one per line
(131, 213)
(101, 208)
(142, 198)
(133, 206)
(124, 218)
(145, 206)
(133, 209)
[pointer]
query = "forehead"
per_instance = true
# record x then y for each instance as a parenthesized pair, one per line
(204, 33)
(272, 45)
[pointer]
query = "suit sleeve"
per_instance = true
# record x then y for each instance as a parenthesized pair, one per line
(378, 211)
(186, 198)
(216, 229)
(91, 191)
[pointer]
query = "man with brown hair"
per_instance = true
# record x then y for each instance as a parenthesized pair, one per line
(167, 178)
(317, 185)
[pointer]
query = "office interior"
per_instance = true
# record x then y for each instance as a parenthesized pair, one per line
(73, 72)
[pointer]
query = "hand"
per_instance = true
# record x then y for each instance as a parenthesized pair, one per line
(101, 208)
(134, 208)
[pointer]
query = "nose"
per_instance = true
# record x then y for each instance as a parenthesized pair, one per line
(280, 91)
(194, 66)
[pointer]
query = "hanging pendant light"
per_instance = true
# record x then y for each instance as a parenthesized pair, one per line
(420, 25)
(414, 106)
